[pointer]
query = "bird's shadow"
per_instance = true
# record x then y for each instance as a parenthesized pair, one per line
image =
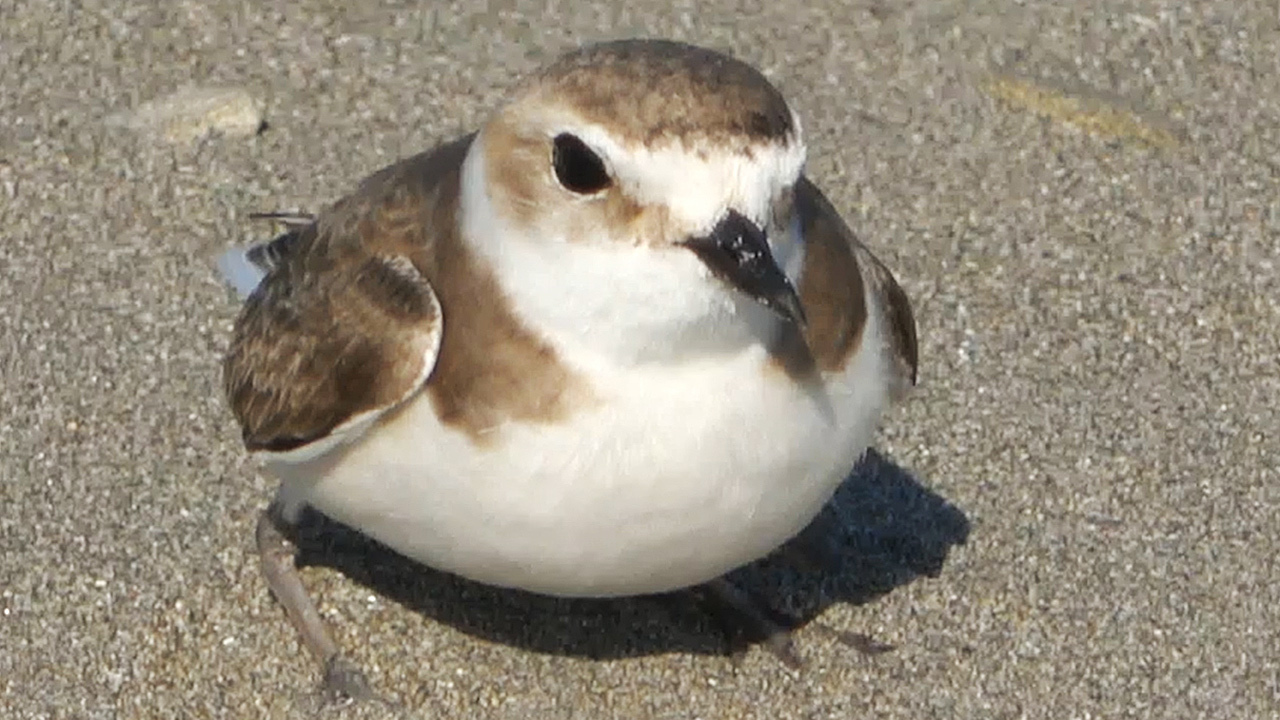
(882, 529)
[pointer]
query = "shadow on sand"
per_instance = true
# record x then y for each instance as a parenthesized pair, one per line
(882, 529)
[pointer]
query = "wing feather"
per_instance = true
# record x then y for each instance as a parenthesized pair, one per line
(319, 358)
(341, 323)
(837, 268)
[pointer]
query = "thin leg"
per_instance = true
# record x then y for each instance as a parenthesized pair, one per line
(341, 678)
(773, 628)
(811, 556)
(754, 619)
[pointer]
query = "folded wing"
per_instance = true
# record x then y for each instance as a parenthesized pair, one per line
(837, 269)
(317, 357)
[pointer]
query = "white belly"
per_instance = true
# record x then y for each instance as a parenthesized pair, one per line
(675, 478)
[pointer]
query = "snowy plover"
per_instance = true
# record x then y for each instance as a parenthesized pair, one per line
(613, 343)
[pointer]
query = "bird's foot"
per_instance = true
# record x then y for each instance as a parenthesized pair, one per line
(343, 681)
(743, 615)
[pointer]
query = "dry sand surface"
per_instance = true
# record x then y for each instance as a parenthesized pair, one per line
(1075, 516)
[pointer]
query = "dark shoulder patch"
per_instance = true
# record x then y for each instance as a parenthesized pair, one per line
(831, 288)
(838, 269)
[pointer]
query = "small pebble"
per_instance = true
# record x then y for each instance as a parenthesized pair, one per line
(194, 112)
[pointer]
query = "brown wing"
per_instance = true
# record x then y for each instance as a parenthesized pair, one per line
(311, 356)
(345, 325)
(837, 268)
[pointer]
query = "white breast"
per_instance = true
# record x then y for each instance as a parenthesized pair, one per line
(680, 474)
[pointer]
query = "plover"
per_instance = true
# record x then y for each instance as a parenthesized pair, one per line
(615, 342)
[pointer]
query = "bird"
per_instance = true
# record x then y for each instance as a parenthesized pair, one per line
(614, 342)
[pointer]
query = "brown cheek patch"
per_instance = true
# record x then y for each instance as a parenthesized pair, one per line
(517, 168)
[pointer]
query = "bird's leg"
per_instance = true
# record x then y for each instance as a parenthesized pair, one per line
(751, 617)
(773, 628)
(277, 554)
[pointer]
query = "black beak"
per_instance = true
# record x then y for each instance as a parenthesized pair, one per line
(737, 252)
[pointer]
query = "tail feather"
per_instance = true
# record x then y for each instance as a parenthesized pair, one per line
(245, 268)
(240, 271)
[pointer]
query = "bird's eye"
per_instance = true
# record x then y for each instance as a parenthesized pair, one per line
(578, 168)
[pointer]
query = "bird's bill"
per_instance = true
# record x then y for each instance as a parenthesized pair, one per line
(737, 251)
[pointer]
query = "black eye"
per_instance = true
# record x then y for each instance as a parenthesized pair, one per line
(578, 168)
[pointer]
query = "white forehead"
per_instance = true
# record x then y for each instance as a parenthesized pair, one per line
(699, 180)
